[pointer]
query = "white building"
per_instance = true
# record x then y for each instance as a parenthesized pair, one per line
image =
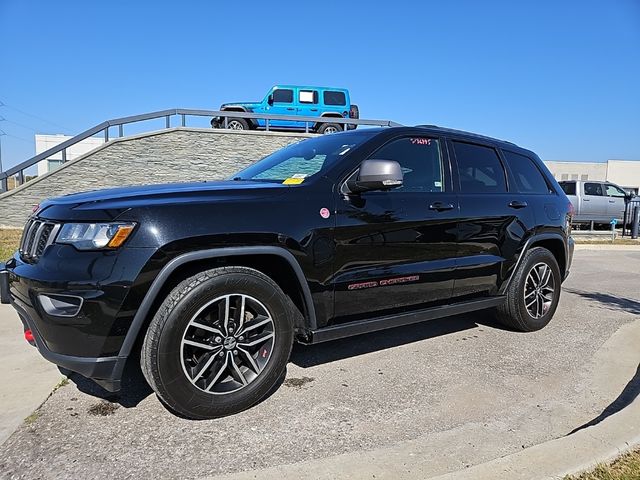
(45, 142)
(625, 173)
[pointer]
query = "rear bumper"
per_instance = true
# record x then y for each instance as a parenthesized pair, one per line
(570, 248)
(4, 284)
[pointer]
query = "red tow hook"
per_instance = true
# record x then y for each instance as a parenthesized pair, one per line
(28, 336)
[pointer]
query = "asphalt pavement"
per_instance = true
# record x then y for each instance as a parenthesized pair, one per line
(454, 393)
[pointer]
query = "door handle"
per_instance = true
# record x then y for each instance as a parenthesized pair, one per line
(441, 207)
(314, 109)
(612, 201)
(517, 204)
(290, 108)
(586, 200)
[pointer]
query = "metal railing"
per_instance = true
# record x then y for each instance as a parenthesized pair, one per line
(183, 113)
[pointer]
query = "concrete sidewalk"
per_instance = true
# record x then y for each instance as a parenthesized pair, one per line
(26, 379)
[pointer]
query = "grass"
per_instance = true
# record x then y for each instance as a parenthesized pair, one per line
(605, 241)
(9, 240)
(626, 467)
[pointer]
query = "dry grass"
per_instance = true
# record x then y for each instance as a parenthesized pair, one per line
(9, 240)
(626, 467)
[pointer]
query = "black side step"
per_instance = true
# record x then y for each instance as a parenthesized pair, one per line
(388, 321)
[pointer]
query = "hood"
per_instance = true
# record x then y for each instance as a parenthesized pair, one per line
(124, 198)
(247, 105)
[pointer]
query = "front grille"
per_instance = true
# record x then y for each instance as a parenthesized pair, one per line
(36, 237)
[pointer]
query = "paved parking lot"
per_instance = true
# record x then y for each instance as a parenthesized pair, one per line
(462, 388)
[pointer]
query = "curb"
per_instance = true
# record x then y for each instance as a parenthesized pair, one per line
(570, 455)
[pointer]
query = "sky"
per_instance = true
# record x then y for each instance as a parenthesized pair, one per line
(559, 77)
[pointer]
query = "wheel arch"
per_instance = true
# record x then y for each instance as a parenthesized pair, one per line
(275, 262)
(554, 242)
(328, 115)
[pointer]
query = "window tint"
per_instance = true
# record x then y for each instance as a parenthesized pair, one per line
(334, 98)
(479, 168)
(283, 96)
(593, 189)
(420, 160)
(569, 188)
(308, 96)
(526, 175)
(613, 191)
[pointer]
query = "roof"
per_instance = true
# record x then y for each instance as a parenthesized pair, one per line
(465, 134)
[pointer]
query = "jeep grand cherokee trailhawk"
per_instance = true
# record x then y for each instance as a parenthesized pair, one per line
(333, 236)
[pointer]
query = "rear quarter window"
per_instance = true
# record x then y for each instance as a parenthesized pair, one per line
(526, 175)
(334, 98)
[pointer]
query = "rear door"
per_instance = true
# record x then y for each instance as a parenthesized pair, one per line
(493, 219)
(594, 202)
(396, 250)
(615, 201)
(308, 100)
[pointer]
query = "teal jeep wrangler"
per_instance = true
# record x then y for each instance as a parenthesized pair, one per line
(293, 100)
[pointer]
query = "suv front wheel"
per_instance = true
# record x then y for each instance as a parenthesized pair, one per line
(533, 294)
(219, 343)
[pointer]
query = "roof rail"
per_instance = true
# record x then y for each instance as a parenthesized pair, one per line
(462, 132)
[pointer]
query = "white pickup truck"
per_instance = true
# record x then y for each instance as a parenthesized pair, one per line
(595, 201)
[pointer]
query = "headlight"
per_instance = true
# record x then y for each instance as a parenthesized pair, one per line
(94, 236)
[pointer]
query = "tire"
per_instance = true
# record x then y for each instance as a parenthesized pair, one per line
(236, 124)
(517, 311)
(328, 128)
(203, 373)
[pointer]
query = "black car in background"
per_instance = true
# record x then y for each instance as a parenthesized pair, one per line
(333, 236)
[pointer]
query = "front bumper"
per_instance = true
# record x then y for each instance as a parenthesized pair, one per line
(105, 371)
(87, 341)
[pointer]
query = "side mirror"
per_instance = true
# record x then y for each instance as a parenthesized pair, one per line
(377, 175)
(270, 99)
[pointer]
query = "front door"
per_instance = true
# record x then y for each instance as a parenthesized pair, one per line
(282, 103)
(594, 203)
(396, 249)
(616, 201)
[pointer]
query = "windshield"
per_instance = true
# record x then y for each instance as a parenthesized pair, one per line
(294, 164)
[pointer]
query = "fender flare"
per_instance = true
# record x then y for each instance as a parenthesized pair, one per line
(159, 281)
(532, 239)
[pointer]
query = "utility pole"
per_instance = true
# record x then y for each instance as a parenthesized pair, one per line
(2, 133)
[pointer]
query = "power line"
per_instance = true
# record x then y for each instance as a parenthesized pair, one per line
(3, 104)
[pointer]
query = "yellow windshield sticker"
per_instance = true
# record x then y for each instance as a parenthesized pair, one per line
(293, 181)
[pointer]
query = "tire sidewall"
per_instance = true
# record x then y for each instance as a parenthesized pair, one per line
(538, 255)
(177, 390)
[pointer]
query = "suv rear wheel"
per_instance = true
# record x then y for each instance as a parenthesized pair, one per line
(219, 343)
(532, 296)
(327, 128)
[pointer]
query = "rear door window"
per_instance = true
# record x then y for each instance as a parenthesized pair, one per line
(334, 98)
(308, 96)
(526, 176)
(593, 189)
(479, 169)
(569, 188)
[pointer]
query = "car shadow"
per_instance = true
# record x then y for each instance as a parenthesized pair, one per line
(135, 387)
(609, 301)
(311, 355)
(626, 397)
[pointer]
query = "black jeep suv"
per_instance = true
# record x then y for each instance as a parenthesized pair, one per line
(333, 236)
